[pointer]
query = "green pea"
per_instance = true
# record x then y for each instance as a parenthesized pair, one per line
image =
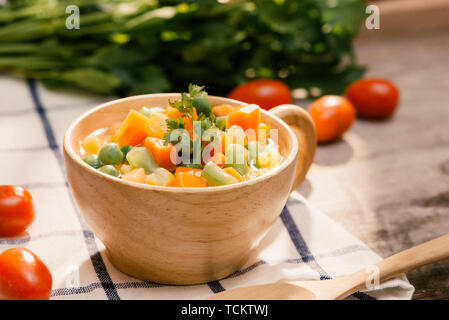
(125, 150)
(108, 169)
(93, 161)
(110, 154)
(202, 105)
(221, 123)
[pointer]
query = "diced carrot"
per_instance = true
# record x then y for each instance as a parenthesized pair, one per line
(132, 131)
(222, 142)
(173, 183)
(222, 110)
(188, 124)
(189, 178)
(173, 113)
(247, 117)
(231, 171)
(161, 153)
(192, 171)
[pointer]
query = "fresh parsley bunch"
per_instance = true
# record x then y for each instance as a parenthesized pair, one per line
(132, 47)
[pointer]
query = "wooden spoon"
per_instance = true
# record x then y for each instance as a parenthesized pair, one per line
(338, 288)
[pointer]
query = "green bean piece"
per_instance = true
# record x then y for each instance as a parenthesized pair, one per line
(254, 148)
(215, 176)
(108, 169)
(110, 154)
(93, 161)
(125, 150)
(142, 158)
(236, 158)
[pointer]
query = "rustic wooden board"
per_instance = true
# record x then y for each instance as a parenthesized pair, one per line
(388, 182)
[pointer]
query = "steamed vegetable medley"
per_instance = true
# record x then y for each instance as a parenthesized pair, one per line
(189, 143)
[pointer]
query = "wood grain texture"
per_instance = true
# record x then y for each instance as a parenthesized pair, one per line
(387, 182)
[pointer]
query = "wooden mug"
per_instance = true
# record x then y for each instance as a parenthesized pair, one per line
(184, 235)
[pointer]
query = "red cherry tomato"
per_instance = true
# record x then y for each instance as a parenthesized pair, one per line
(16, 210)
(23, 276)
(373, 98)
(266, 93)
(332, 115)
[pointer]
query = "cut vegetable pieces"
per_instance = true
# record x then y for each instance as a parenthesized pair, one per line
(223, 110)
(231, 171)
(141, 158)
(237, 157)
(187, 180)
(160, 177)
(247, 117)
(132, 131)
(136, 175)
(156, 125)
(254, 149)
(215, 176)
(92, 144)
(161, 152)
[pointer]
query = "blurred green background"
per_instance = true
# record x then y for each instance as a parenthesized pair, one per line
(143, 46)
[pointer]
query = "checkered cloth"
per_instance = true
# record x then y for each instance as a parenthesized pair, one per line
(302, 244)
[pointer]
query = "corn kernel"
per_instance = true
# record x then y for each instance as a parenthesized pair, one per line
(263, 160)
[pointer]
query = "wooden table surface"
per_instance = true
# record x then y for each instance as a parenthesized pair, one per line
(388, 182)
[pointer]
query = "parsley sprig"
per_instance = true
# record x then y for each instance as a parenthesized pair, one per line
(186, 107)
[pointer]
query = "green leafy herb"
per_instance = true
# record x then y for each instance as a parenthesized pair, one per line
(126, 47)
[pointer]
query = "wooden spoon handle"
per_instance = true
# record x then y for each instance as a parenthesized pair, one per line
(428, 252)
(302, 125)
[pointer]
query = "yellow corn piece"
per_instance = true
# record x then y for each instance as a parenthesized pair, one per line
(156, 126)
(275, 157)
(263, 160)
(91, 144)
(160, 177)
(136, 175)
(231, 171)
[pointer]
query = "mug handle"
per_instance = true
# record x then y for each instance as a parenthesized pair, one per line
(302, 125)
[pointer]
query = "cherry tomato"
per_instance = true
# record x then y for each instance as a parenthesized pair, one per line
(266, 93)
(332, 115)
(373, 98)
(16, 210)
(23, 276)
